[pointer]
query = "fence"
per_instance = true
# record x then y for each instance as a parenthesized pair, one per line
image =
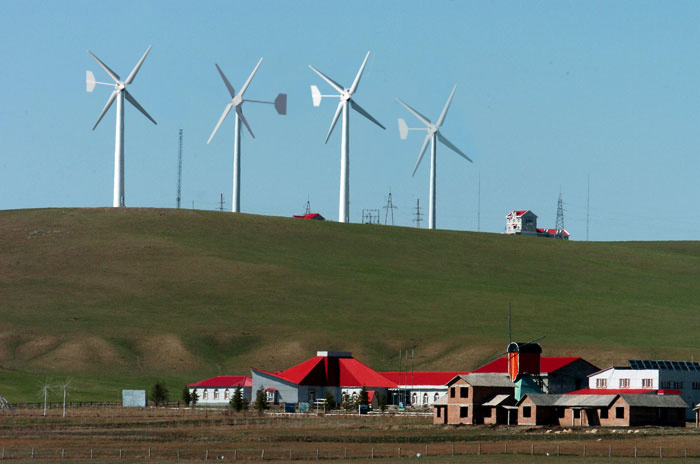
(311, 452)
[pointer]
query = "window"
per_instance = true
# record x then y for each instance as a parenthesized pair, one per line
(438, 411)
(527, 411)
(271, 396)
(452, 392)
(619, 412)
(226, 394)
(696, 385)
(216, 394)
(577, 413)
(647, 383)
(205, 394)
(624, 383)
(603, 414)
(601, 383)
(487, 411)
(464, 392)
(312, 396)
(561, 412)
(425, 398)
(414, 398)
(464, 411)
(436, 397)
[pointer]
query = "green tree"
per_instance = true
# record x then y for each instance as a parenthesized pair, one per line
(194, 398)
(186, 396)
(330, 400)
(237, 401)
(381, 402)
(159, 393)
(347, 402)
(261, 400)
(364, 397)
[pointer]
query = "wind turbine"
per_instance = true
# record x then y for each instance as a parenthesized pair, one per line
(345, 98)
(118, 94)
(433, 136)
(237, 101)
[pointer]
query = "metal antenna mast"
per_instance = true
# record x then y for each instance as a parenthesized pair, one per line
(179, 170)
(389, 207)
(560, 213)
(419, 215)
(588, 204)
(221, 202)
(478, 210)
(308, 207)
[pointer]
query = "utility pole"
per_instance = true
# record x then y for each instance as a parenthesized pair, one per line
(221, 202)
(419, 215)
(389, 207)
(588, 204)
(478, 209)
(179, 170)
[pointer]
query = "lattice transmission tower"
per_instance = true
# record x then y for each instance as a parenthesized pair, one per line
(560, 214)
(179, 169)
(418, 218)
(389, 209)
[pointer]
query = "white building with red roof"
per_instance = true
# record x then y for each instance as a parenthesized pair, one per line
(419, 389)
(524, 222)
(337, 372)
(219, 390)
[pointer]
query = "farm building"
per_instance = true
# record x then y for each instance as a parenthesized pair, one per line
(421, 389)
(473, 398)
(219, 390)
(336, 372)
(313, 216)
(524, 222)
(653, 376)
(552, 374)
(614, 409)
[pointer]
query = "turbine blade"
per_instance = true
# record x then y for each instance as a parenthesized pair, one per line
(451, 146)
(333, 83)
(239, 112)
(111, 73)
(223, 116)
(359, 75)
(423, 119)
(422, 152)
(133, 101)
(131, 77)
(228, 84)
(364, 113)
(247, 83)
(335, 120)
(109, 103)
(447, 106)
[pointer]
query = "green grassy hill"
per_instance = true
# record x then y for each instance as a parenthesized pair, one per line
(118, 297)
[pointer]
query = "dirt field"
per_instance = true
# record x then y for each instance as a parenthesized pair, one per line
(164, 435)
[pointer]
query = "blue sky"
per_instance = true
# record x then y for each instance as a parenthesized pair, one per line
(549, 93)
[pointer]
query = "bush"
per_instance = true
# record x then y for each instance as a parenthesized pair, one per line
(238, 402)
(364, 397)
(194, 398)
(159, 393)
(381, 402)
(330, 400)
(186, 396)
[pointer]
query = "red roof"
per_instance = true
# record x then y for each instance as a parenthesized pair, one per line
(553, 231)
(370, 395)
(518, 213)
(617, 391)
(335, 372)
(422, 378)
(224, 381)
(311, 216)
(548, 364)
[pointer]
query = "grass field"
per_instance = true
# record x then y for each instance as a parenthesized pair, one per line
(116, 298)
(163, 435)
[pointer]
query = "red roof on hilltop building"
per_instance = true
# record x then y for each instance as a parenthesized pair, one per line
(224, 381)
(617, 391)
(548, 364)
(553, 231)
(422, 378)
(316, 216)
(334, 371)
(517, 213)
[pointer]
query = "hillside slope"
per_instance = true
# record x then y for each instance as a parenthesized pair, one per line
(131, 293)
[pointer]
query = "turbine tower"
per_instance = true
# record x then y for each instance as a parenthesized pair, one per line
(345, 99)
(433, 136)
(237, 101)
(118, 94)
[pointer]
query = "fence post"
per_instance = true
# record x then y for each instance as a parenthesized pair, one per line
(32, 453)
(609, 451)
(120, 454)
(505, 448)
(478, 449)
(290, 454)
(635, 451)
(532, 449)
(372, 453)
(686, 453)
(90, 453)
(426, 451)
(317, 454)
(399, 451)
(558, 450)
(453, 449)
(178, 454)
(3, 453)
(63, 453)
(661, 453)
(206, 456)
(584, 450)
(262, 455)
(346, 453)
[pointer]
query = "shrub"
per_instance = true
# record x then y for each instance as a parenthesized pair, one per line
(237, 402)
(159, 393)
(186, 396)
(330, 400)
(261, 400)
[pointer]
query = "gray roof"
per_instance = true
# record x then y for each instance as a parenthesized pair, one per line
(440, 401)
(541, 399)
(571, 401)
(655, 401)
(496, 400)
(487, 380)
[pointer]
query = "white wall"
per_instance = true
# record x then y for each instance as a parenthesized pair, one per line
(225, 394)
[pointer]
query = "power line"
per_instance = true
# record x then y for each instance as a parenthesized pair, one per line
(179, 169)
(389, 207)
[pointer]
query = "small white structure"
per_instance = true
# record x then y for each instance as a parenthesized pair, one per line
(419, 389)
(650, 375)
(521, 222)
(219, 391)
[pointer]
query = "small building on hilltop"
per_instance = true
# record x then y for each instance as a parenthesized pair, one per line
(524, 222)
(312, 216)
(335, 372)
(219, 390)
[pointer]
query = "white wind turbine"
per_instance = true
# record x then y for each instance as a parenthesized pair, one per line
(237, 101)
(119, 94)
(433, 136)
(345, 98)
